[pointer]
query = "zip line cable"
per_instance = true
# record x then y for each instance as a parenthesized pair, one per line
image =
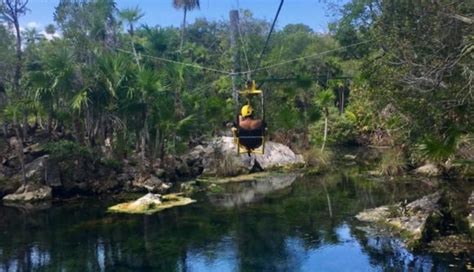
(307, 57)
(243, 44)
(246, 72)
(269, 35)
(178, 62)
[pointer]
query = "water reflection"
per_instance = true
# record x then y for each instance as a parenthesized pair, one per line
(240, 193)
(301, 224)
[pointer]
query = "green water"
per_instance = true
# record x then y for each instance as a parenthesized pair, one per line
(288, 224)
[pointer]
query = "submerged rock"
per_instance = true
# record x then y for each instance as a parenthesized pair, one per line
(220, 158)
(374, 215)
(452, 244)
(410, 219)
(30, 193)
(429, 170)
(151, 203)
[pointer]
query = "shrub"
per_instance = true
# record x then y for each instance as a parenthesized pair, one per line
(112, 163)
(341, 129)
(67, 149)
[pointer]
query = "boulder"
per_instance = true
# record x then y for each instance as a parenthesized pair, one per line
(30, 193)
(151, 203)
(430, 170)
(145, 201)
(219, 158)
(34, 171)
(52, 174)
(411, 219)
(149, 183)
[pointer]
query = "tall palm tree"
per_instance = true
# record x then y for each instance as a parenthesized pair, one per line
(131, 16)
(185, 5)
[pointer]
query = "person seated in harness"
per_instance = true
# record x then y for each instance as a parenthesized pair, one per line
(249, 131)
(247, 121)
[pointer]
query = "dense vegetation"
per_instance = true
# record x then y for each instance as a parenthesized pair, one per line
(104, 81)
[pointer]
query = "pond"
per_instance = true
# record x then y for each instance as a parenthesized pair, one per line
(296, 223)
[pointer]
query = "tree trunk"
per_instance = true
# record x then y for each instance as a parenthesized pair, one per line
(156, 146)
(144, 138)
(3, 102)
(17, 76)
(25, 125)
(49, 125)
(325, 131)
(183, 30)
(18, 145)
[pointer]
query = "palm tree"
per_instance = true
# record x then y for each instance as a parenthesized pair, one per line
(131, 16)
(185, 5)
(54, 81)
(32, 35)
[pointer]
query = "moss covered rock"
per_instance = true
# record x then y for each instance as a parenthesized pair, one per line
(151, 203)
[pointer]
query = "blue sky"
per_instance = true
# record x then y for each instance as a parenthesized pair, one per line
(313, 13)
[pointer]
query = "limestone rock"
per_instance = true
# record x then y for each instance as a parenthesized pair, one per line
(410, 218)
(429, 170)
(52, 174)
(152, 203)
(374, 215)
(146, 201)
(30, 193)
(219, 157)
(149, 183)
(34, 171)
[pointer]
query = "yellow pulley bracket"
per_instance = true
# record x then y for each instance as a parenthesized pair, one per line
(251, 89)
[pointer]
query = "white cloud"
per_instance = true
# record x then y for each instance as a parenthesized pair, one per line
(50, 37)
(33, 25)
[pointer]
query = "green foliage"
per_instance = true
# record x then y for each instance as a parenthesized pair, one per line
(103, 83)
(325, 98)
(117, 165)
(437, 150)
(341, 129)
(414, 59)
(65, 149)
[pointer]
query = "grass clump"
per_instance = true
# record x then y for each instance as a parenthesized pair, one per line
(393, 163)
(315, 158)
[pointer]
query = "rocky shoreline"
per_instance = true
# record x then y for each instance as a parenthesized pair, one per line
(73, 171)
(429, 223)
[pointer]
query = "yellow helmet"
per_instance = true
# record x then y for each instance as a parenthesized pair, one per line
(246, 110)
